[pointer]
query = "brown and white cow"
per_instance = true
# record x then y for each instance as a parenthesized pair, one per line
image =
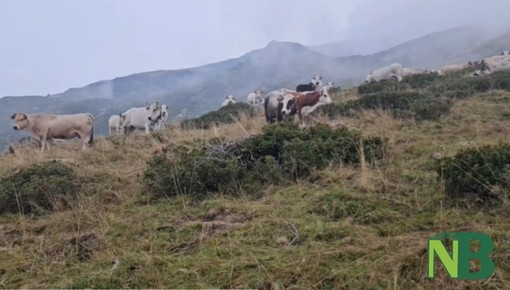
(45, 127)
(294, 102)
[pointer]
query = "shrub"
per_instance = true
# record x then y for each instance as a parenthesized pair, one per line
(221, 116)
(420, 81)
(195, 173)
(430, 108)
(459, 87)
(481, 174)
(37, 188)
(281, 152)
(382, 86)
(401, 104)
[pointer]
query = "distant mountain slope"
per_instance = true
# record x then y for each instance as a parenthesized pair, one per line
(195, 91)
(435, 49)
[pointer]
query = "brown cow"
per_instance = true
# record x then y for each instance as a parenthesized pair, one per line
(46, 127)
(294, 102)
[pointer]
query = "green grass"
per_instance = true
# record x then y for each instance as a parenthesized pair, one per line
(361, 226)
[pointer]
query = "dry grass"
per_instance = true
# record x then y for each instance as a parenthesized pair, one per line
(351, 228)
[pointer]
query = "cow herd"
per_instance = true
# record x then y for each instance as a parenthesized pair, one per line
(278, 105)
(483, 67)
(285, 103)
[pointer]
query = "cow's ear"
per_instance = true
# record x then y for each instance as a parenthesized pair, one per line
(147, 108)
(13, 116)
(23, 116)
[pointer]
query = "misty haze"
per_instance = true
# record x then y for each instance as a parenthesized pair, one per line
(251, 144)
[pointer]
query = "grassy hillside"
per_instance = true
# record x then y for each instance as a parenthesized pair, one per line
(347, 226)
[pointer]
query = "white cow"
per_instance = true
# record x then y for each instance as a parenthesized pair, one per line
(493, 64)
(505, 52)
(45, 127)
(451, 68)
(115, 123)
(254, 98)
(164, 117)
(393, 71)
(228, 100)
(141, 118)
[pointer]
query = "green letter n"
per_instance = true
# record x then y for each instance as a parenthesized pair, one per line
(451, 264)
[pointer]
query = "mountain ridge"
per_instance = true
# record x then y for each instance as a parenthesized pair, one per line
(191, 92)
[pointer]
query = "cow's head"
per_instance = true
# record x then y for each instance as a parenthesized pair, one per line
(288, 104)
(20, 121)
(324, 99)
(316, 80)
(258, 97)
(153, 112)
(229, 100)
(369, 78)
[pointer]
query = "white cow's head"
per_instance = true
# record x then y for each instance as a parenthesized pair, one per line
(324, 99)
(153, 112)
(20, 121)
(258, 97)
(288, 104)
(164, 110)
(228, 100)
(316, 80)
(369, 78)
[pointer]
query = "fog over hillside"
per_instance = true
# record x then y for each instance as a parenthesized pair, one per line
(195, 91)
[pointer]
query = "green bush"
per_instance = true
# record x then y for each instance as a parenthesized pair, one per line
(194, 173)
(454, 85)
(38, 188)
(401, 104)
(430, 108)
(281, 152)
(382, 86)
(481, 174)
(221, 116)
(420, 81)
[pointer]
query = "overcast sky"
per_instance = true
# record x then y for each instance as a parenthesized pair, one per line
(48, 46)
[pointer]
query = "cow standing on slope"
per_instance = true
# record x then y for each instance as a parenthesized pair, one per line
(115, 123)
(45, 127)
(141, 118)
(393, 71)
(228, 100)
(314, 85)
(293, 103)
(272, 107)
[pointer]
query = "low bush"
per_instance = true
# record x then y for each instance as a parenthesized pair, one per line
(281, 152)
(224, 115)
(429, 108)
(38, 188)
(480, 174)
(382, 86)
(420, 81)
(401, 104)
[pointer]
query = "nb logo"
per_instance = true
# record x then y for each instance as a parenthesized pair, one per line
(457, 264)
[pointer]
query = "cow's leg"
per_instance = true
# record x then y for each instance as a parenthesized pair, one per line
(110, 130)
(147, 127)
(43, 143)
